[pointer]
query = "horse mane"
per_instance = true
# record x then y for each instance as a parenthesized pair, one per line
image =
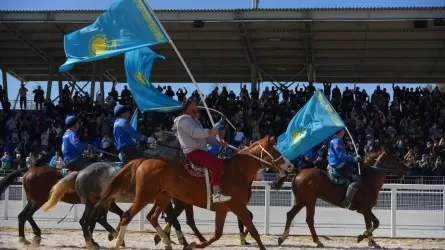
(371, 156)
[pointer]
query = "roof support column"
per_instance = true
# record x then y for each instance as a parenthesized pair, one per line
(102, 86)
(5, 82)
(309, 48)
(50, 81)
(253, 80)
(61, 97)
(93, 83)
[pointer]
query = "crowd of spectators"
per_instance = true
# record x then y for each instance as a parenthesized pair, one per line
(413, 120)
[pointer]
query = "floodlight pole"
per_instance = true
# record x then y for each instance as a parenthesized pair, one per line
(255, 4)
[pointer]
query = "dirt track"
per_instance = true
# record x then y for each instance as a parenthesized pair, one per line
(73, 239)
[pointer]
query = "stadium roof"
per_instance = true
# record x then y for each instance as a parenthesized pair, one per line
(344, 45)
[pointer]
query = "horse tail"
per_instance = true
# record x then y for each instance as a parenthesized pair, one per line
(121, 180)
(58, 191)
(8, 180)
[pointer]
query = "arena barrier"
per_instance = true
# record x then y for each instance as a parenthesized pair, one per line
(404, 210)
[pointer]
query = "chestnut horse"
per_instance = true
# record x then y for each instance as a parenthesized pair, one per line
(311, 184)
(37, 183)
(159, 180)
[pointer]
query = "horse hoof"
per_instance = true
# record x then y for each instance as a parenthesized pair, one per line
(280, 240)
(93, 245)
(123, 244)
(374, 244)
(24, 241)
(110, 237)
(244, 243)
(157, 239)
(168, 248)
(190, 246)
(319, 244)
(36, 241)
(360, 238)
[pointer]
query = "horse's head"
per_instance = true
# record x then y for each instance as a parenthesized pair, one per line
(386, 160)
(265, 151)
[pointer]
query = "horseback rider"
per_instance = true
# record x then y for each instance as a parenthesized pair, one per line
(344, 165)
(193, 139)
(72, 146)
(126, 137)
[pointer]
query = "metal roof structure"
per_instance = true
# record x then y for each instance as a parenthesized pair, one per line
(343, 45)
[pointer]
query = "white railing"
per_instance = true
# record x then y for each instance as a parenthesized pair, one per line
(404, 210)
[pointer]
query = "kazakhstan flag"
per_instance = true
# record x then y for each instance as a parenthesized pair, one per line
(313, 124)
(138, 64)
(127, 25)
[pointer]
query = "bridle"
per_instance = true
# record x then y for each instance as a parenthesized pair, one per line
(272, 163)
(386, 168)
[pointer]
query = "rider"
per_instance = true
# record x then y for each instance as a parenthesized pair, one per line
(125, 136)
(72, 146)
(344, 166)
(194, 139)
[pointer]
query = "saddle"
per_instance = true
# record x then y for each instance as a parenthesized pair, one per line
(336, 178)
(193, 169)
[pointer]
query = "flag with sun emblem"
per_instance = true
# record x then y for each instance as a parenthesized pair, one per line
(313, 124)
(138, 64)
(126, 25)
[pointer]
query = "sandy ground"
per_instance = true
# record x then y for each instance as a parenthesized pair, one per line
(73, 239)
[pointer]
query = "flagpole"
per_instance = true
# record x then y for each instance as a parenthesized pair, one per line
(183, 63)
(356, 150)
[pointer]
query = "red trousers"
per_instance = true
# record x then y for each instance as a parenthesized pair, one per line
(209, 161)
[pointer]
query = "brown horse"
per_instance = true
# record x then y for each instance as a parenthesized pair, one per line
(159, 180)
(37, 183)
(311, 184)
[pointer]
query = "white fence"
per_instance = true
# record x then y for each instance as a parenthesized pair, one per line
(404, 210)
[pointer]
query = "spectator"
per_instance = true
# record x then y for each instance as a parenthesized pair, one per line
(31, 160)
(239, 137)
(22, 94)
(39, 97)
(57, 160)
(7, 162)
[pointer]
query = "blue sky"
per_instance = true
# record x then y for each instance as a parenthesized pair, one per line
(200, 4)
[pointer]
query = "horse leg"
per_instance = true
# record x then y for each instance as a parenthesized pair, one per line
(190, 216)
(220, 219)
(310, 213)
(243, 214)
(160, 204)
(173, 220)
(375, 225)
(242, 233)
(289, 218)
(116, 210)
(22, 220)
(37, 232)
(84, 223)
(140, 201)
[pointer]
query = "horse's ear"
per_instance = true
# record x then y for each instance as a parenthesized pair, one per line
(272, 139)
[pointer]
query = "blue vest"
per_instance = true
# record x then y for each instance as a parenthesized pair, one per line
(72, 147)
(125, 135)
(337, 152)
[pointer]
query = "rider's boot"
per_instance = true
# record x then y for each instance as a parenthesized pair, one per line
(218, 196)
(350, 193)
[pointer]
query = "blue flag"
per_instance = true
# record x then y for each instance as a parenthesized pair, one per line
(138, 64)
(313, 124)
(126, 25)
(134, 120)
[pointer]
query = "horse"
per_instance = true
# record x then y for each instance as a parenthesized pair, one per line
(313, 183)
(91, 181)
(161, 179)
(37, 183)
(190, 220)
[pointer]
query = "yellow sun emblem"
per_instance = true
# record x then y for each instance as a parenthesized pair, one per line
(98, 44)
(140, 78)
(297, 136)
